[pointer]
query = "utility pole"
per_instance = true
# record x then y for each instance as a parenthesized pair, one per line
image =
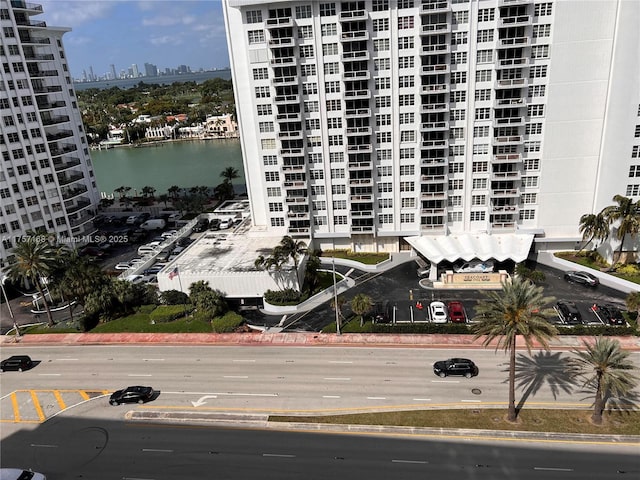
(335, 296)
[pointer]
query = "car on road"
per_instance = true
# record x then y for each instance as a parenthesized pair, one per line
(17, 363)
(437, 312)
(455, 366)
(569, 313)
(92, 252)
(136, 394)
(583, 278)
(123, 266)
(609, 314)
(456, 312)
(20, 474)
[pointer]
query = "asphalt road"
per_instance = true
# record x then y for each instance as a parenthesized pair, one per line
(71, 448)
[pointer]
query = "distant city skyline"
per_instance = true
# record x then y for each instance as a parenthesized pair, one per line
(170, 35)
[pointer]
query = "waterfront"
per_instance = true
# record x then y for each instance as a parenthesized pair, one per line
(123, 84)
(183, 163)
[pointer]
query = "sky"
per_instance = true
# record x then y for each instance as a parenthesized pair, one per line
(166, 33)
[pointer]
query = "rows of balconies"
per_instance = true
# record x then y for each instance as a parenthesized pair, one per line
(430, 144)
(69, 193)
(42, 57)
(509, 102)
(283, 61)
(281, 42)
(512, 63)
(295, 116)
(434, 178)
(360, 182)
(509, 121)
(507, 158)
(501, 176)
(27, 39)
(24, 21)
(291, 134)
(22, 5)
(362, 213)
(60, 166)
(508, 140)
(56, 151)
(357, 55)
(514, 21)
(295, 184)
(44, 89)
(83, 218)
(36, 73)
(66, 179)
(434, 107)
(283, 99)
(436, 28)
(45, 105)
(513, 42)
(361, 228)
(513, 209)
(279, 22)
(358, 35)
(54, 120)
(364, 94)
(436, 48)
(358, 74)
(361, 198)
(504, 193)
(434, 126)
(511, 83)
(436, 88)
(291, 152)
(432, 162)
(52, 137)
(361, 148)
(288, 80)
(435, 69)
(357, 112)
(299, 215)
(353, 14)
(433, 195)
(354, 131)
(435, 7)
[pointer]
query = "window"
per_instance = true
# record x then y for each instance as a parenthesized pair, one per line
(407, 153)
(481, 149)
(538, 71)
(307, 70)
(540, 51)
(254, 16)
(486, 14)
(331, 68)
(273, 192)
(458, 77)
(272, 176)
(407, 217)
(327, 9)
(385, 187)
(306, 51)
(482, 131)
(457, 184)
(336, 157)
(260, 73)
(406, 100)
(338, 189)
(309, 88)
(277, 222)
(406, 62)
(405, 3)
(533, 129)
(529, 181)
(454, 216)
(479, 183)
(456, 167)
(407, 169)
(339, 204)
(459, 38)
(383, 137)
(456, 133)
(334, 122)
(340, 219)
(382, 64)
(485, 36)
(317, 175)
(305, 31)
(532, 164)
(458, 114)
(478, 200)
(483, 114)
(380, 5)
(405, 118)
(535, 110)
(635, 151)
(632, 190)
(265, 127)
(268, 143)
(456, 150)
(264, 109)
(311, 106)
(332, 87)
(317, 189)
(385, 171)
(484, 94)
(477, 216)
(385, 203)
(407, 136)
(480, 167)
(383, 119)
(383, 101)
(458, 58)
(405, 42)
(262, 92)
(542, 9)
(303, 11)
(405, 22)
(330, 49)
(527, 214)
(380, 24)
(314, 141)
(541, 30)
(484, 56)
(275, 207)
(256, 36)
(269, 160)
(320, 220)
(333, 105)
(335, 140)
(315, 158)
(381, 45)
(529, 198)
(458, 96)
(483, 76)
(328, 29)
(537, 90)
(382, 83)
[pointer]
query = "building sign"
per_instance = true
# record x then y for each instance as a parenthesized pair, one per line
(474, 278)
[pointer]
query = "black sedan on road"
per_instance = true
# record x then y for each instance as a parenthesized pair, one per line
(455, 366)
(132, 395)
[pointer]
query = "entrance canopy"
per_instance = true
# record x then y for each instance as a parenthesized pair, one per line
(468, 246)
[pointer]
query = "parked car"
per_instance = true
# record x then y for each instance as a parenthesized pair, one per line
(569, 313)
(19, 474)
(132, 220)
(201, 225)
(583, 278)
(214, 224)
(18, 363)
(437, 312)
(133, 278)
(92, 252)
(609, 314)
(456, 312)
(123, 266)
(153, 224)
(225, 224)
(168, 233)
(455, 366)
(135, 394)
(154, 269)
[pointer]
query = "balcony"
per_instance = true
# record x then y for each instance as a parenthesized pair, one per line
(29, 40)
(20, 5)
(42, 73)
(55, 120)
(52, 137)
(500, 176)
(290, 135)
(507, 3)
(509, 102)
(40, 57)
(47, 89)
(298, 215)
(361, 228)
(433, 178)
(513, 42)
(432, 162)
(435, 7)
(351, 94)
(285, 80)
(60, 166)
(430, 144)
(510, 121)
(296, 184)
(362, 148)
(508, 140)
(433, 228)
(512, 83)
(51, 105)
(506, 193)
(362, 213)
(279, 22)
(436, 28)
(291, 152)
(358, 113)
(296, 200)
(361, 198)
(436, 49)
(434, 126)
(294, 168)
(356, 131)
(434, 107)
(69, 193)
(284, 99)
(512, 63)
(281, 42)
(56, 152)
(361, 182)
(515, 21)
(433, 211)
(507, 158)
(353, 166)
(76, 222)
(295, 116)
(353, 56)
(299, 230)
(283, 61)
(503, 226)
(436, 88)
(505, 209)
(68, 179)
(440, 195)
(77, 205)
(351, 36)
(358, 75)
(25, 22)
(353, 15)
(435, 69)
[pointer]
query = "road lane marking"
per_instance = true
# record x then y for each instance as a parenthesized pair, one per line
(409, 461)
(235, 376)
(36, 405)
(153, 359)
(61, 404)
(421, 399)
(243, 360)
(50, 374)
(331, 396)
(552, 469)
(16, 409)
(445, 381)
(281, 455)
(67, 359)
(337, 378)
(139, 375)
(161, 450)
(43, 445)
(376, 398)
(84, 395)
(339, 361)
(471, 401)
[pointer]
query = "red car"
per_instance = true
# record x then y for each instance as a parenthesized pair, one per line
(456, 312)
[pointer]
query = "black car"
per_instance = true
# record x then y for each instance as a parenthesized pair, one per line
(455, 366)
(609, 314)
(201, 225)
(131, 395)
(569, 313)
(17, 363)
(583, 278)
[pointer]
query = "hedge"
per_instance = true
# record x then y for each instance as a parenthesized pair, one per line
(227, 323)
(166, 313)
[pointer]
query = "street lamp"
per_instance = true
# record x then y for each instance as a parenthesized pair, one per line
(335, 296)
(4, 292)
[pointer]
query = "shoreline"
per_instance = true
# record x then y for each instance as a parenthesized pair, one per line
(156, 143)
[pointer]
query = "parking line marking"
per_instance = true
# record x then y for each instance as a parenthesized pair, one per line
(50, 374)
(43, 445)
(84, 395)
(409, 461)
(339, 361)
(14, 404)
(242, 360)
(161, 450)
(153, 359)
(36, 405)
(68, 359)
(61, 403)
(281, 455)
(552, 469)
(139, 375)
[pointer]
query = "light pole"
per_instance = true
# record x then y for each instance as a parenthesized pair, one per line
(335, 296)
(4, 292)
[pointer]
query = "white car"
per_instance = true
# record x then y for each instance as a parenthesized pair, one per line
(438, 312)
(168, 234)
(135, 278)
(224, 224)
(122, 266)
(19, 474)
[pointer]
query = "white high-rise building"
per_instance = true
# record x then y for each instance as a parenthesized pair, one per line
(447, 125)
(47, 182)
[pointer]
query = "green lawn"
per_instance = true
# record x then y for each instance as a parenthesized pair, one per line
(534, 420)
(366, 258)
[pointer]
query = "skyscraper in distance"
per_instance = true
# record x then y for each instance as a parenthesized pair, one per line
(47, 182)
(439, 125)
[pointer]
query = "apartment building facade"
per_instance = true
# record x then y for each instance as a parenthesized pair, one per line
(378, 124)
(47, 182)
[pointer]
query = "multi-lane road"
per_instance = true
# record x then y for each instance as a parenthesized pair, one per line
(61, 406)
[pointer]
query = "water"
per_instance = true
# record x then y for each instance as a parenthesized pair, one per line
(123, 84)
(184, 163)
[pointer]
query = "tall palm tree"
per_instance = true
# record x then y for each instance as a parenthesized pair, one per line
(148, 191)
(173, 191)
(517, 310)
(627, 212)
(290, 248)
(361, 304)
(35, 259)
(606, 371)
(593, 226)
(230, 174)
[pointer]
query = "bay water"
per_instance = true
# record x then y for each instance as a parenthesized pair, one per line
(185, 163)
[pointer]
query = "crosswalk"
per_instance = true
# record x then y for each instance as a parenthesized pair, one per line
(35, 406)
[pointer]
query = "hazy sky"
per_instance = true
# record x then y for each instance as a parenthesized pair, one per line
(166, 33)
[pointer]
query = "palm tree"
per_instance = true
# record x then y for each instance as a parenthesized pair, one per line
(517, 310)
(35, 259)
(163, 197)
(148, 191)
(606, 371)
(593, 226)
(230, 174)
(173, 191)
(361, 304)
(633, 302)
(627, 212)
(290, 248)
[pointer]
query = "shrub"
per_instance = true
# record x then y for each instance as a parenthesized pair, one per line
(227, 323)
(146, 308)
(166, 313)
(629, 269)
(288, 296)
(174, 297)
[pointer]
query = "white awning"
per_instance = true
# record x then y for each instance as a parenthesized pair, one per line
(468, 246)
